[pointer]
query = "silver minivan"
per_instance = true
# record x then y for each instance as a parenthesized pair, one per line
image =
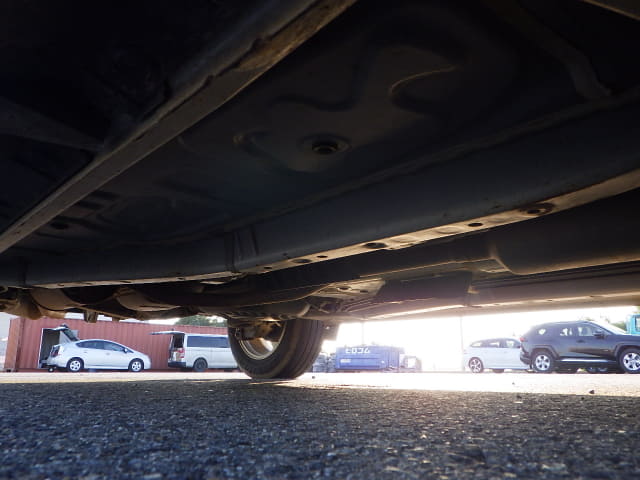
(198, 351)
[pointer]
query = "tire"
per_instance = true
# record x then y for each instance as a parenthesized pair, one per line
(543, 362)
(291, 349)
(630, 360)
(75, 365)
(136, 365)
(200, 365)
(475, 365)
(497, 370)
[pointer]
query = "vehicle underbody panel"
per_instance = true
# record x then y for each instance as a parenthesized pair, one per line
(329, 160)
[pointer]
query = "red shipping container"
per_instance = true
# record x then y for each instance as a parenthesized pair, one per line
(25, 337)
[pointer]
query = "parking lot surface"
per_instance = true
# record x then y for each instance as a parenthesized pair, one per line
(354, 426)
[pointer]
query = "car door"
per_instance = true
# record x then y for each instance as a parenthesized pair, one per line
(566, 341)
(588, 344)
(491, 353)
(222, 355)
(91, 353)
(115, 355)
(511, 355)
(199, 346)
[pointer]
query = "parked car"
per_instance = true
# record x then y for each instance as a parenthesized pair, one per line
(96, 354)
(582, 344)
(496, 354)
(198, 352)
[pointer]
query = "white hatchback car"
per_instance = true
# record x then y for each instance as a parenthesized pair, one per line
(497, 354)
(96, 354)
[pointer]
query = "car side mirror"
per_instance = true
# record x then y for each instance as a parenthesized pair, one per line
(599, 334)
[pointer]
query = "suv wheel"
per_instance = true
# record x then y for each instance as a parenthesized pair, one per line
(475, 365)
(543, 362)
(630, 360)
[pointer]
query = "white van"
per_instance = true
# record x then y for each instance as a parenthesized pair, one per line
(199, 351)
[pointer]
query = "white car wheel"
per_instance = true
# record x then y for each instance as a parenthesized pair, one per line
(75, 365)
(136, 365)
(475, 365)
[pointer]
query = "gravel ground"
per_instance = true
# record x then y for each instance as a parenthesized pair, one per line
(213, 428)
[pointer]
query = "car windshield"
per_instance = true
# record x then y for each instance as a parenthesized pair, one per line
(610, 328)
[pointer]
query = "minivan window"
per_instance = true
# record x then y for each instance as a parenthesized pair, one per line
(221, 342)
(200, 342)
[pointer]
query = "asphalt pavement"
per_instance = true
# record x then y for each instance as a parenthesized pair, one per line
(98, 426)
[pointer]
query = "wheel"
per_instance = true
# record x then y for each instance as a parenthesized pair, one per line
(136, 365)
(75, 364)
(200, 365)
(284, 349)
(475, 365)
(497, 370)
(543, 362)
(630, 360)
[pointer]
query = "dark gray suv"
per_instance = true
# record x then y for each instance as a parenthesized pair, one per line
(567, 346)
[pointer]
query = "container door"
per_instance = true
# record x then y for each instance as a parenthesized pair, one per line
(176, 345)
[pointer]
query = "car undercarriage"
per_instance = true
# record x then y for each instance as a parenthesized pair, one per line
(291, 165)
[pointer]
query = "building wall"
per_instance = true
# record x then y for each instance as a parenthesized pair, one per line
(23, 346)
